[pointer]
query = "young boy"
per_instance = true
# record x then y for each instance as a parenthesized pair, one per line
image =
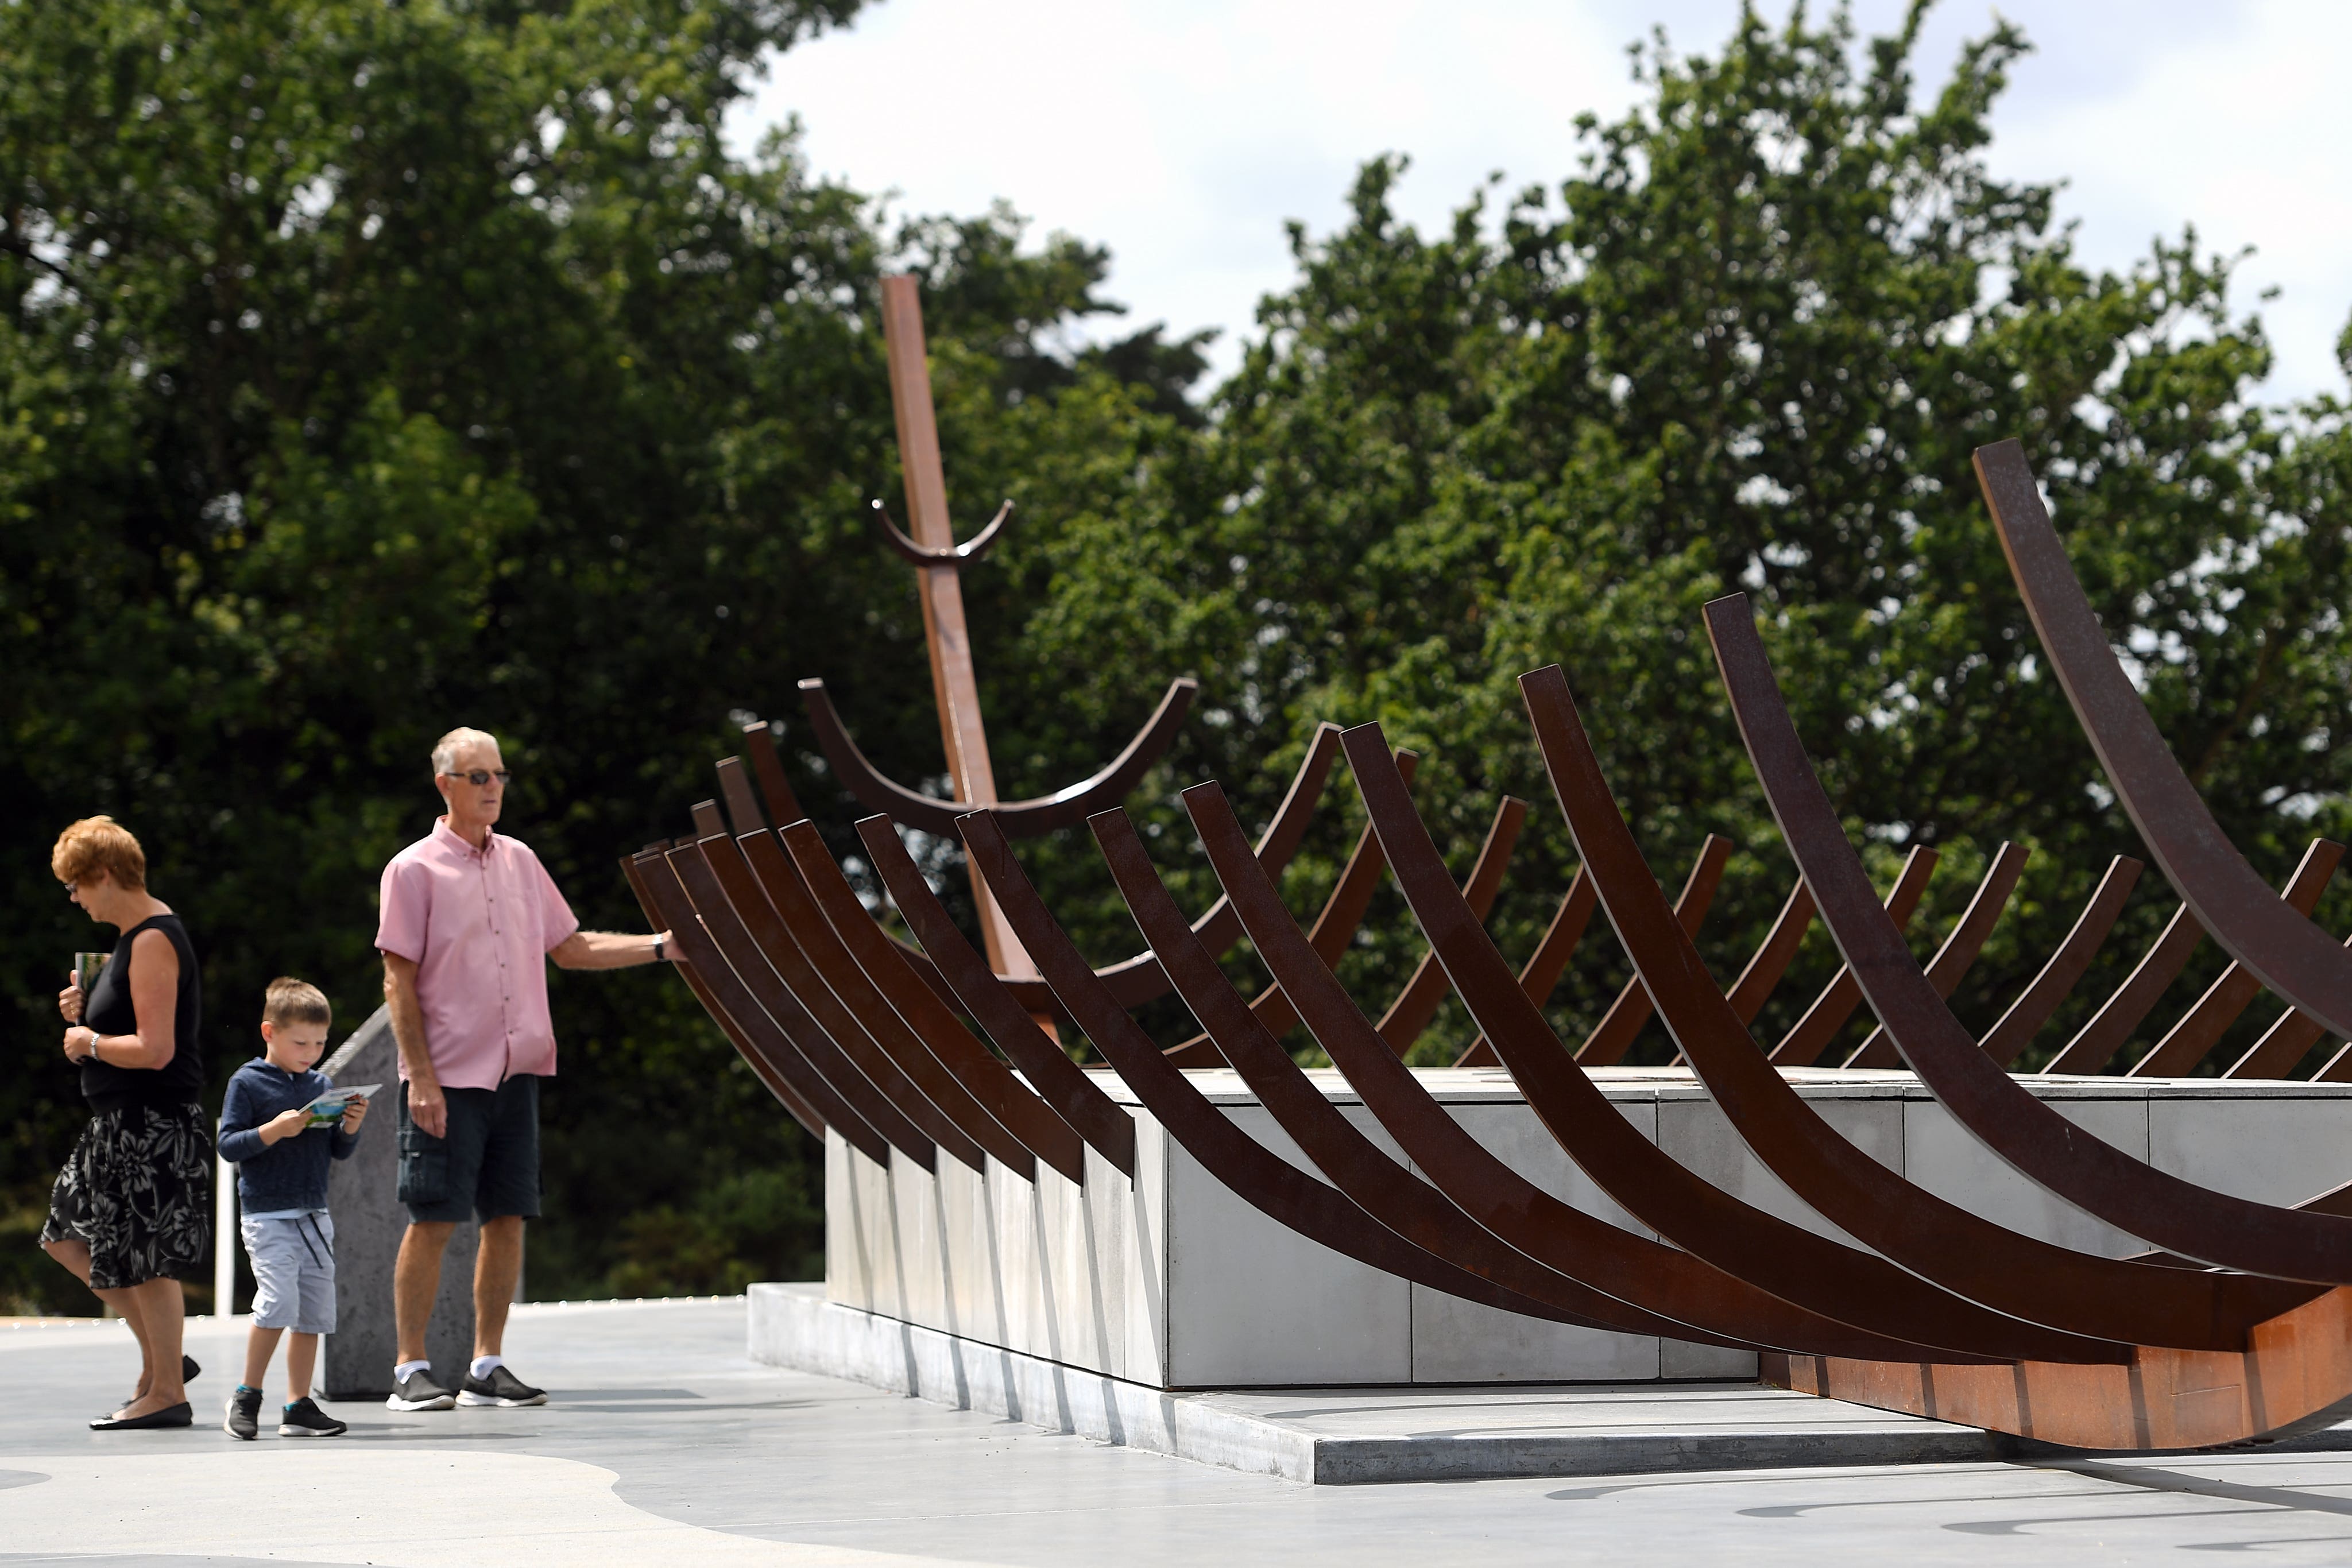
(281, 1187)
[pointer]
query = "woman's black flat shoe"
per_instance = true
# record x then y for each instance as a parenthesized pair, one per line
(155, 1420)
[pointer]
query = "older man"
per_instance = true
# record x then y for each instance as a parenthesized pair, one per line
(469, 917)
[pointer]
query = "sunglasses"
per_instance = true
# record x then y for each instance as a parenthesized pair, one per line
(480, 776)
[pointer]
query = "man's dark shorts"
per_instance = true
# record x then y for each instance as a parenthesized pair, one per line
(488, 1166)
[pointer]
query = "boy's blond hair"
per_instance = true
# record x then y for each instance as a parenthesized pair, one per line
(98, 844)
(290, 1001)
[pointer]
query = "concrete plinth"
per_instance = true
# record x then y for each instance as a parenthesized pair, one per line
(1168, 1281)
(362, 1195)
(1356, 1436)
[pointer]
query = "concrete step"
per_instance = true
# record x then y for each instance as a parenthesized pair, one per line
(1356, 1436)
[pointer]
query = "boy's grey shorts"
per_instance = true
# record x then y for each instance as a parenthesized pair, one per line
(293, 1272)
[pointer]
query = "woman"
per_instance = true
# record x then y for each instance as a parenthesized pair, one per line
(129, 1213)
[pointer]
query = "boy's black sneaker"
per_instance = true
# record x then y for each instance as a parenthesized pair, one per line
(244, 1414)
(417, 1391)
(500, 1387)
(304, 1419)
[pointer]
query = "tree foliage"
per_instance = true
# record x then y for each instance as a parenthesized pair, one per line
(370, 369)
(1748, 345)
(367, 368)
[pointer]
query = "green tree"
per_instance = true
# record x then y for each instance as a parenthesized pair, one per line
(1750, 344)
(366, 369)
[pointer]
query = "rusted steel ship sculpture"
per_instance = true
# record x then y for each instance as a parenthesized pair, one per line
(2239, 1329)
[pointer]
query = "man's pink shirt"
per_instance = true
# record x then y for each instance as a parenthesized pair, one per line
(478, 925)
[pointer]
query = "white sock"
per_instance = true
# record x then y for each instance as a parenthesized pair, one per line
(486, 1364)
(402, 1369)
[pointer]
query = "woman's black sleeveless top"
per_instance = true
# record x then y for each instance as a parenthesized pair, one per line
(108, 1010)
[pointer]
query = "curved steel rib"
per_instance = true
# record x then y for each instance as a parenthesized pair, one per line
(938, 1094)
(1334, 928)
(2294, 1375)
(1540, 976)
(2185, 1044)
(1613, 1035)
(2100, 1299)
(2289, 954)
(2096, 1043)
(2281, 1046)
(891, 983)
(782, 1034)
(1756, 981)
(1382, 1187)
(1630, 1267)
(794, 1098)
(1254, 1173)
(1418, 1002)
(1791, 1262)
(2177, 1215)
(2035, 1004)
(773, 965)
(964, 554)
(1811, 1034)
(1136, 979)
(1957, 956)
(1024, 819)
(1061, 1083)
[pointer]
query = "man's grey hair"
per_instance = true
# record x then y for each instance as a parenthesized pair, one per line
(445, 749)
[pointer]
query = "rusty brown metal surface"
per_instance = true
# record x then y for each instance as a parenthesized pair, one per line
(2099, 1039)
(2281, 946)
(1789, 1261)
(2015, 1029)
(790, 1052)
(1425, 991)
(1811, 1034)
(739, 917)
(760, 744)
(1771, 960)
(2239, 1327)
(796, 1101)
(2177, 1215)
(2186, 1043)
(1388, 1191)
(1136, 979)
(1064, 809)
(1254, 1173)
(1953, 960)
(1762, 978)
(867, 1028)
(1615, 1034)
(1539, 975)
(881, 987)
(2104, 1036)
(2295, 1375)
(1343, 912)
(1058, 1081)
(1631, 1267)
(914, 554)
(2098, 1299)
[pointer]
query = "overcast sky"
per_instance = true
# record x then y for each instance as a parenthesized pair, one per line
(1183, 135)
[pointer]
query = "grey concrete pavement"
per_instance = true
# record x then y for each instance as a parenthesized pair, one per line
(664, 1443)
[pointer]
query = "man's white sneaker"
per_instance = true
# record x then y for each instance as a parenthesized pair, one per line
(500, 1387)
(417, 1391)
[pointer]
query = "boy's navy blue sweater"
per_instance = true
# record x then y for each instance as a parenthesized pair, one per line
(292, 1172)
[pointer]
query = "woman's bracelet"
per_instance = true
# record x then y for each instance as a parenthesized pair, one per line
(658, 949)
